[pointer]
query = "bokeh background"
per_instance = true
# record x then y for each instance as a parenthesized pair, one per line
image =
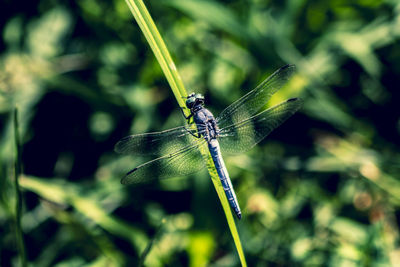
(322, 190)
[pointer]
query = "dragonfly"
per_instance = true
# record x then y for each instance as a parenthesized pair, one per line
(238, 128)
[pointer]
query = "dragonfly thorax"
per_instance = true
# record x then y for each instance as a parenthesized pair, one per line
(205, 122)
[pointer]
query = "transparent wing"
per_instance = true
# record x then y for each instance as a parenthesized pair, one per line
(180, 163)
(241, 137)
(251, 103)
(157, 142)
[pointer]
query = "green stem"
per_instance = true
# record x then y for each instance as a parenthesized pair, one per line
(227, 208)
(160, 50)
(18, 196)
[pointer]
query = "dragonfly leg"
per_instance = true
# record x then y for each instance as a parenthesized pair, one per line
(186, 117)
(197, 136)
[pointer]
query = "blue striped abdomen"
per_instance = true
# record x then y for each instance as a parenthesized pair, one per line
(215, 152)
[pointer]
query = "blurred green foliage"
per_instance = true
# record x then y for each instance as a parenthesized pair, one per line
(323, 189)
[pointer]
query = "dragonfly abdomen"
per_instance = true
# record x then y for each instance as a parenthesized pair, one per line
(215, 152)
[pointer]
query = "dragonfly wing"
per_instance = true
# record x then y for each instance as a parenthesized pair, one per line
(180, 163)
(242, 136)
(251, 103)
(157, 142)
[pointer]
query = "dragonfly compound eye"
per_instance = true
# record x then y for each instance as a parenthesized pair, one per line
(199, 98)
(190, 102)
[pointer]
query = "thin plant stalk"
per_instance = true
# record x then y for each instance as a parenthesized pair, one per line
(153, 37)
(160, 50)
(18, 196)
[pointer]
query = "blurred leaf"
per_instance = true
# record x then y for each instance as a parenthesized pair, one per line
(201, 248)
(46, 34)
(350, 231)
(212, 12)
(63, 193)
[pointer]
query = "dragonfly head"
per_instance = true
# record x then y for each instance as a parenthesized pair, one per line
(193, 100)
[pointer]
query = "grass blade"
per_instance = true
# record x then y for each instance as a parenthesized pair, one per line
(18, 196)
(160, 50)
(227, 209)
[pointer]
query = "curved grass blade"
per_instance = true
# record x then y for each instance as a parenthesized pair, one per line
(160, 50)
(157, 44)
